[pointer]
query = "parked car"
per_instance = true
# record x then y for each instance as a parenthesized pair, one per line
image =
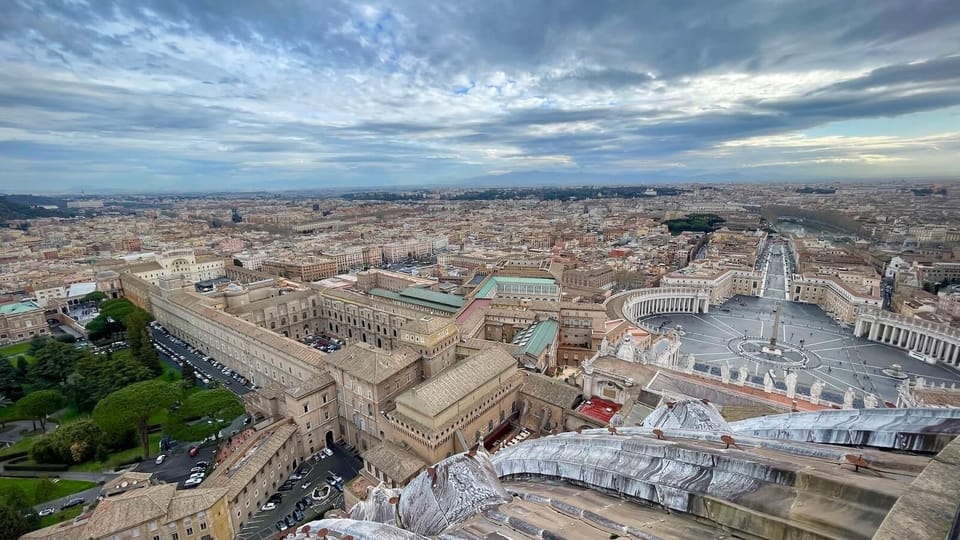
(198, 469)
(296, 476)
(327, 452)
(276, 497)
(333, 479)
(193, 482)
(269, 506)
(202, 464)
(285, 487)
(306, 485)
(282, 526)
(76, 501)
(193, 451)
(161, 458)
(46, 512)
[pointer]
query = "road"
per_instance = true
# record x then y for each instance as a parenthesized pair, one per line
(198, 362)
(88, 496)
(176, 468)
(262, 525)
(774, 274)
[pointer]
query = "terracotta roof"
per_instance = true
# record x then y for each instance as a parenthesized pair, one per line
(243, 465)
(371, 364)
(310, 385)
(427, 324)
(550, 390)
(113, 515)
(200, 305)
(396, 462)
(450, 385)
(150, 266)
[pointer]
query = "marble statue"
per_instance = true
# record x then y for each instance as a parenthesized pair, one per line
(870, 401)
(767, 383)
(725, 373)
(848, 398)
(791, 381)
(815, 390)
(626, 350)
(604, 347)
(742, 375)
(691, 360)
(588, 365)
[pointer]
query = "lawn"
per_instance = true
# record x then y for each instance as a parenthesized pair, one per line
(60, 488)
(11, 352)
(57, 517)
(23, 445)
(15, 349)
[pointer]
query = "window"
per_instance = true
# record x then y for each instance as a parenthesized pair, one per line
(305, 407)
(203, 525)
(189, 531)
(174, 536)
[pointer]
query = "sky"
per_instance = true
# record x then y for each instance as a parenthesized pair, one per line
(259, 94)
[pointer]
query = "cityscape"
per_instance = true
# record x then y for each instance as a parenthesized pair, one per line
(454, 271)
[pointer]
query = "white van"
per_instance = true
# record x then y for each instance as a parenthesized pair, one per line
(161, 458)
(921, 356)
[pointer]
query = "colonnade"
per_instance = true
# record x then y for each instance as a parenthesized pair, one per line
(666, 300)
(930, 339)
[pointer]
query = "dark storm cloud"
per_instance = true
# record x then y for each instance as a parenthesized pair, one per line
(449, 88)
(939, 70)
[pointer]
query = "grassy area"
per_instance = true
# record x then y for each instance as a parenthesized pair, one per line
(23, 445)
(15, 349)
(57, 517)
(10, 413)
(11, 352)
(60, 488)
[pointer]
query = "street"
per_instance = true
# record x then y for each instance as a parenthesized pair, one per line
(262, 525)
(198, 361)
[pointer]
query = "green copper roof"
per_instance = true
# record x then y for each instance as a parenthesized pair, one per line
(427, 295)
(17, 308)
(537, 337)
(488, 288)
(383, 293)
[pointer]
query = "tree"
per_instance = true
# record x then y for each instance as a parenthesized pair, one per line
(4, 402)
(44, 490)
(219, 405)
(16, 516)
(75, 442)
(10, 381)
(95, 296)
(189, 376)
(37, 343)
(138, 338)
(131, 408)
(98, 376)
(38, 405)
(55, 361)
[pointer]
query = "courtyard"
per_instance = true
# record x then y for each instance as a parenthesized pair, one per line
(814, 346)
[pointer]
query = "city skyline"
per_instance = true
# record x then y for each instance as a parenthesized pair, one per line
(174, 97)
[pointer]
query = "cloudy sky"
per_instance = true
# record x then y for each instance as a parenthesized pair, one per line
(248, 94)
